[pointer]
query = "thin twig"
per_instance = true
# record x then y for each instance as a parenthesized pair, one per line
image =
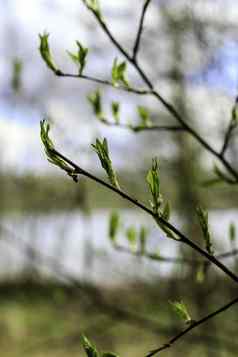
(170, 108)
(192, 326)
(103, 82)
(182, 238)
(173, 260)
(227, 138)
(139, 128)
(140, 29)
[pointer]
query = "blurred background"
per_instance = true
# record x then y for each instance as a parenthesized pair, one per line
(60, 276)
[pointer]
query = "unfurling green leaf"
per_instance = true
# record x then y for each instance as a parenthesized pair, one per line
(52, 157)
(116, 112)
(131, 235)
(46, 54)
(119, 73)
(143, 234)
(79, 58)
(96, 102)
(101, 148)
(16, 74)
(166, 212)
(232, 232)
(203, 220)
(94, 6)
(153, 181)
(234, 115)
(114, 226)
(220, 174)
(181, 310)
(90, 350)
(144, 117)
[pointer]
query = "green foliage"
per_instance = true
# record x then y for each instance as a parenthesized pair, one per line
(232, 232)
(119, 73)
(221, 176)
(234, 115)
(181, 310)
(116, 112)
(101, 148)
(52, 157)
(79, 58)
(131, 235)
(90, 350)
(95, 100)
(144, 117)
(153, 181)
(143, 235)
(46, 54)
(114, 226)
(94, 6)
(17, 66)
(203, 221)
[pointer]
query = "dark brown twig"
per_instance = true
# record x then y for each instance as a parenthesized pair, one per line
(140, 29)
(170, 108)
(182, 238)
(191, 327)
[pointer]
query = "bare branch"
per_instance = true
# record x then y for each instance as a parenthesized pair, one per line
(140, 29)
(191, 327)
(170, 108)
(182, 238)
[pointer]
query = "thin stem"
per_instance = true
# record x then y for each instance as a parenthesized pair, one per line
(173, 260)
(192, 326)
(182, 238)
(103, 82)
(139, 128)
(227, 139)
(170, 108)
(140, 29)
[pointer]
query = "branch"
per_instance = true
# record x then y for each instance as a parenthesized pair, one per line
(140, 128)
(172, 260)
(103, 82)
(170, 108)
(227, 138)
(140, 29)
(182, 238)
(191, 327)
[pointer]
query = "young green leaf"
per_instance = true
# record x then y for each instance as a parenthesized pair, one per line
(232, 232)
(116, 112)
(131, 235)
(17, 66)
(95, 100)
(166, 211)
(79, 58)
(114, 226)
(101, 148)
(119, 73)
(46, 54)
(234, 115)
(143, 234)
(220, 174)
(94, 6)
(181, 310)
(49, 150)
(203, 220)
(90, 350)
(144, 117)
(109, 354)
(153, 181)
